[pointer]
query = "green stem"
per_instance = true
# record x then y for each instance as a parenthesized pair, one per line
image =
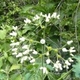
(76, 29)
(7, 76)
(64, 75)
(43, 51)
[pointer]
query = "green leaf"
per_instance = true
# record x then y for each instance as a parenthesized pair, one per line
(76, 69)
(16, 76)
(15, 67)
(2, 34)
(34, 75)
(12, 60)
(27, 76)
(19, 77)
(52, 76)
(2, 76)
(1, 62)
(27, 8)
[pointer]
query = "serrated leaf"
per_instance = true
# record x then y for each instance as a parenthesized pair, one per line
(76, 69)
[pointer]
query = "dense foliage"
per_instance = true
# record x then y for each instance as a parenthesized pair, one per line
(39, 40)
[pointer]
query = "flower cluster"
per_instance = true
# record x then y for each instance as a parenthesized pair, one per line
(58, 66)
(47, 17)
(71, 49)
(22, 48)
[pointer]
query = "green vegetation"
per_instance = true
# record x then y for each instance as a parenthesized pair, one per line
(39, 40)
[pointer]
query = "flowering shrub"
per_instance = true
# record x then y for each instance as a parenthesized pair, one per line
(34, 49)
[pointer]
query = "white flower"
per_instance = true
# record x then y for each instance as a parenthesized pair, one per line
(41, 14)
(72, 49)
(69, 42)
(26, 52)
(19, 55)
(67, 62)
(25, 47)
(15, 28)
(22, 39)
(48, 61)
(47, 17)
(64, 50)
(70, 60)
(55, 15)
(71, 54)
(24, 58)
(47, 53)
(13, 33)
(35, 52)
(66, 66)
(14, 53)
(14, 44)
(42, 41)
(15, 49)
(32, 61)
(27, 21)
(58, 16)
(17, 43)
(44, 69)
(36, 17)
(58, 66)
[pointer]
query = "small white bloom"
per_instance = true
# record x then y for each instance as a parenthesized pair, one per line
(24, 58)
(13, 33)
(58, 66)
(14, 53)
(42, 41)
(15, 28)
(30, 57)
(72, 49)
(19, 55)
(48, 61)
(26, 52)
(66, 66)
(12, 44)
(71, 54)
(17, 43)
(44, 69)
(41, 14)
(36, 17)
(34, 52)
(70, 59)
(25, 47)
(27, 21)
(69, 42)
(67, 62)
(22, 39)
(58, 16)
(54, 15)
(47, 20)
(64, 50)
(32, 61)
(47, 53)
(15, 49)
(47, 17)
